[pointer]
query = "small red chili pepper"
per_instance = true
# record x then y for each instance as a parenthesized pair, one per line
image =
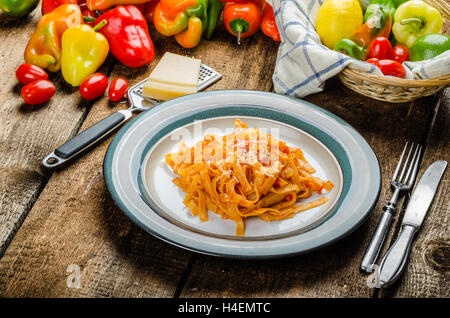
(391, 67)
(117, 89)
(28, 73)
(268, 24)
(38, 92)
(242, 19)
(93, 86)
(400, 53)
(380, 48)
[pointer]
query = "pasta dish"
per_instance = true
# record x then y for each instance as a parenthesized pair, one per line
(245, 173)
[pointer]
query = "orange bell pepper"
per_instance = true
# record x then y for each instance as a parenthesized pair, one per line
(190, 37)
(187, 20)
(106, 4)
(44, 46)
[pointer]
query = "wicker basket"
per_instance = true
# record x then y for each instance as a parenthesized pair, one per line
(397, 90)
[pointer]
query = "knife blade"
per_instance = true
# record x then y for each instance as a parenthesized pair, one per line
(394, 261)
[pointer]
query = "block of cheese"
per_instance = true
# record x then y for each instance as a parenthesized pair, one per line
(174, 76)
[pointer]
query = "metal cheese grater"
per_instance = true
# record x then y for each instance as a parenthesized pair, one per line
(206, 78)
(137, 103)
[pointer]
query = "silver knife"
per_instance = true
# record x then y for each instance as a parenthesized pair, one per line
(394, 261)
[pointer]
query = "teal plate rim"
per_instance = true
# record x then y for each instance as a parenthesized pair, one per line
(123, 206)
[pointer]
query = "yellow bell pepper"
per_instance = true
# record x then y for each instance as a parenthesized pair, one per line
(83, 52)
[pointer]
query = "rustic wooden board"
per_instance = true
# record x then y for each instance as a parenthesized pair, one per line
(75, 222)
(27, 135)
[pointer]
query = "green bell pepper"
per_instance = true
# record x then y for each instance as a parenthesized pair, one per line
(350, 48)
(18, 8)
(388, 5)
(429, 46)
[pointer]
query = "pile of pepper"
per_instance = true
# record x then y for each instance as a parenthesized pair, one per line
(76, 36)
(386, 34)
(189, 20)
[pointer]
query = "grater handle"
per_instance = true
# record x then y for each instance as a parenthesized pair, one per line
(86, 139)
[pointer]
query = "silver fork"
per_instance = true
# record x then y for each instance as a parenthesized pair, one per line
(401, 183)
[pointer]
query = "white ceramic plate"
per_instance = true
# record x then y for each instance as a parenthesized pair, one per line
(163, 193)
(140, 182)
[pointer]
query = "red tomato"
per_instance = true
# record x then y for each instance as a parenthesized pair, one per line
(400, 53)
(28, 73)
(373, 60)
(391, 67)
(38, 92)
(380, 48)
(117, 89)
(94, 86)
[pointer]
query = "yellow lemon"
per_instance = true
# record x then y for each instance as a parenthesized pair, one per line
(338, 19)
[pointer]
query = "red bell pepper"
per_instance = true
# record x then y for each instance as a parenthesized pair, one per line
(128, 36)
(50, 5)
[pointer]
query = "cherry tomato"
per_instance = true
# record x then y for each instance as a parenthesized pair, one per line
(373, 60)
(117, 89)
(400, 53)
(391, 67)
(93, 86)
(380, 48)
(38, 92)
(28, 73)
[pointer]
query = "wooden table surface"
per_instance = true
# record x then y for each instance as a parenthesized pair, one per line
(54, 223)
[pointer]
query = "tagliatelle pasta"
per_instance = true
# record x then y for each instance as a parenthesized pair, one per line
(245, 173)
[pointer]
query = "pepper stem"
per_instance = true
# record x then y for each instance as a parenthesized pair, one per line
(239, 26)
(100, 25)
(410, 20)
(88, 19)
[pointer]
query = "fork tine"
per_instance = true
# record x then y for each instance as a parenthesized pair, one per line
(411, 165)
(414, 166)
(406, 162)
(397, 169)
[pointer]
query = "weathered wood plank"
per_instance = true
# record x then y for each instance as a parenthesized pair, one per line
(27, 134)
(332, 271)
(75, 222)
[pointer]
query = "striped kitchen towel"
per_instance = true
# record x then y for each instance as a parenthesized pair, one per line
(304, 64)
